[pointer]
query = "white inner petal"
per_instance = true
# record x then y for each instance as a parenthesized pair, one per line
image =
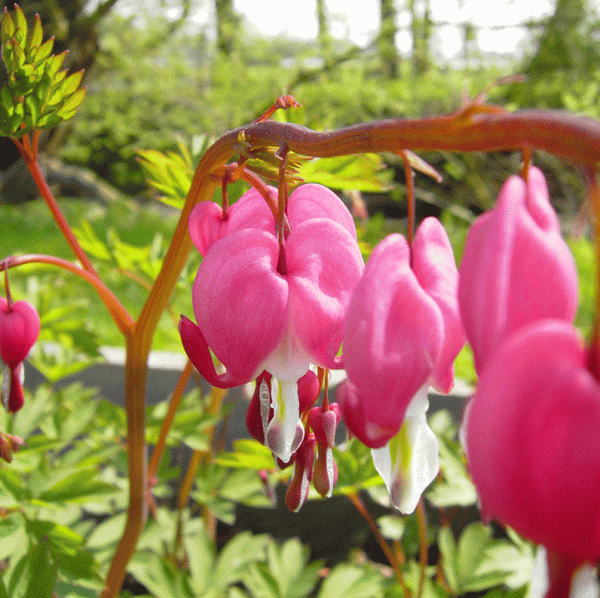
(409, 462)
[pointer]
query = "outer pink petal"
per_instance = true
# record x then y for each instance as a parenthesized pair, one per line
(240, 301)
(251, 211)
(324, 265)
(207, 224)
(532, 439)
(435, 268)
(393, 336)
(315, 201)
(197, 350)
(516, 268)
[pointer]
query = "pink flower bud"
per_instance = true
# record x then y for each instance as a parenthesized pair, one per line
(19, 329)
(516, 267)
(297, 491)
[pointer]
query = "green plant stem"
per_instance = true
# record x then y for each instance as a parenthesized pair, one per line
(120, 315)
(423, 544)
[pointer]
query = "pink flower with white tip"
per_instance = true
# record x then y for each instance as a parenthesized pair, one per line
(261, 306)
(19, 329)
(402, 334)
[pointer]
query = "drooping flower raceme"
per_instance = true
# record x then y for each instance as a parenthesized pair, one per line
(19, 329)
(516, 268)
(531, 436)
(402, 334)
(260, 306)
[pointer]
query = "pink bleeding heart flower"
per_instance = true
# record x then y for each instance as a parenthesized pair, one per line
(402, 330)
(324, 424)
(402, 334)
(516, 268)
(256, 315)
(531, 434)
(19, 329)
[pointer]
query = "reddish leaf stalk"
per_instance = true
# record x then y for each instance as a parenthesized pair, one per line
(119, 314)
(168, 421)
(389, 555)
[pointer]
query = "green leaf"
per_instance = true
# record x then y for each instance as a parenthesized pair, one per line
(201, 556)
(43, 572)
(8, 28)
(21, 26)
(13, 484)
(363, 172)
(43, 51)
(248, 453)
(77, 486)
(391, 526)
(60, 539)
(36, 35)
(447, 547)
(158, 575)
(351, 581)
(67, 110)
(71, 83)
(261, 582)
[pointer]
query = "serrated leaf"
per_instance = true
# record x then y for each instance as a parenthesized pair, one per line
(20, 25)
(67, 110)
(8, 27)
(36, 35)
(43, 51)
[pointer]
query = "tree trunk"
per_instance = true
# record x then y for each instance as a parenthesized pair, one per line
(388, 52)
(228, 26)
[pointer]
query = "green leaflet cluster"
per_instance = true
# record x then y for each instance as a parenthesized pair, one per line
(38, 95)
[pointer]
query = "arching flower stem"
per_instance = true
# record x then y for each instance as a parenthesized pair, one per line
(120, 315)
